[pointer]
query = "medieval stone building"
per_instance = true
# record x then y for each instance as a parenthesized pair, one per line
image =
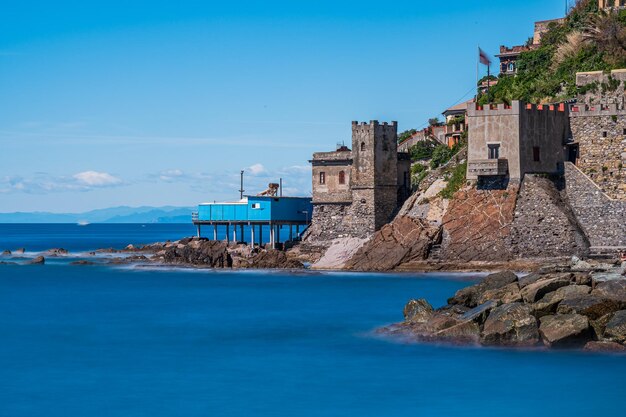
(357, 191)
(511, 141)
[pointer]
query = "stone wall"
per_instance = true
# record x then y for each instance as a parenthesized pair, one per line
(544, 224)
(602, 150)
(601, 218)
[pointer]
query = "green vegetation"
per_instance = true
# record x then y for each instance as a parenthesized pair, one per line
(442, 154)
(455, 182)
(434, 121)
(422, 151)
(406, 134)
(589, 40)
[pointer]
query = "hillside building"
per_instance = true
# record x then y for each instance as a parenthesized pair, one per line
(511, 141)
(357, 191)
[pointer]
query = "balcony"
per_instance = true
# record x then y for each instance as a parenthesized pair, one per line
(488, 167)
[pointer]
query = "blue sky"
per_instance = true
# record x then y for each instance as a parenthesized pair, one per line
(107, 103)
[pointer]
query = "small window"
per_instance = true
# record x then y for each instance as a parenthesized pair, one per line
(494, 151)
(342, 177)
(624, 132)
(385, 145)
(605, 134)
(322, 178)
(362, 146)
(256, 206)
(536, 154)
(511, 67)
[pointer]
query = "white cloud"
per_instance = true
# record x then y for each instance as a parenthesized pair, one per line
(42, 183)
(96, 179)
(256, 169)
(171, 175)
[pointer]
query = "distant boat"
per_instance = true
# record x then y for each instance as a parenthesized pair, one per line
(83, 223)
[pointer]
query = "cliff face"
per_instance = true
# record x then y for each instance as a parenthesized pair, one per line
(477, 225)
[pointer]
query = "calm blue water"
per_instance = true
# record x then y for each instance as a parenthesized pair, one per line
(103, 341)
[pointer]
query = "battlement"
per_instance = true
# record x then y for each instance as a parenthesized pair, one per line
(611, 109)
(515, 108)
(373, 123)
(586, 78)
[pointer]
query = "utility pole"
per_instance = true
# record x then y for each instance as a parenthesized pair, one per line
(241, 190)
(281, 187)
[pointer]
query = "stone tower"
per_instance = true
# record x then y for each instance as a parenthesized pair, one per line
(374, 172)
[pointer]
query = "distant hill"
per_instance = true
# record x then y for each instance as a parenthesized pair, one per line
(167, 214)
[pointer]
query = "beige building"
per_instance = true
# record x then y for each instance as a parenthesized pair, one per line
(511, 141)
(612, 4)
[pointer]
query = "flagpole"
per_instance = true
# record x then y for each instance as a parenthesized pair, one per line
(489, 83)
(477, 75)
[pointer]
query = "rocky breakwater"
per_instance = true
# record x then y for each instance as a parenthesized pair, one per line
(198, 252)
(579, 306)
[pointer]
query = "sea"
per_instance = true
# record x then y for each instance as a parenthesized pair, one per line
(109, 341)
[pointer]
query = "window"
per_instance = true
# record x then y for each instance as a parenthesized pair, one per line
(605, 134)
(511, 67)
(494, 151)
(536, 154)
(624, 132)
(342, 177)
(385, 145)
(256, 206)
(362, 146)
(322, 178)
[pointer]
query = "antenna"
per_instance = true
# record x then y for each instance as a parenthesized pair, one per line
(241, 190)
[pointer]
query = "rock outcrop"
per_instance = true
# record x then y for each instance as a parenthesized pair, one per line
(402, 241)
(552, 309)
(477, 225)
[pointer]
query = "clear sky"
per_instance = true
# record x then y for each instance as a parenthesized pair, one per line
(106, 103)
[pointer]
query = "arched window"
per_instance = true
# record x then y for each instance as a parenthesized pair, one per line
(511, 67)
(342, 177)
(362, 146)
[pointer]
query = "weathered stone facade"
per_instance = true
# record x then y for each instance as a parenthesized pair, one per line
(356, 192)
(544, 224)
(598, 124)
(601, 218)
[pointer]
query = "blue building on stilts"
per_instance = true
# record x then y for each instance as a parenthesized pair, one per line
(291, 215)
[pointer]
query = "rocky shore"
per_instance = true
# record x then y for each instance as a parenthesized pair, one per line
(189, 252)
(580, 305)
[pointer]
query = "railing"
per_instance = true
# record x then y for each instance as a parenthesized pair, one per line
(488, 167)
(194, 217)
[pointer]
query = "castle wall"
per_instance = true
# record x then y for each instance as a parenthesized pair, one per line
(602, 219)
(598, 124)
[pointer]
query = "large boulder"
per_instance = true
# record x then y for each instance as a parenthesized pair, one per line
(508, 294)
(537, 290)
(591, 306)
(6, 253)
(472, 296)
(511, 325)
(565, 330)
(616, 327)
(417, 311)
(613, 290)
(479, 314)
(549, 303)
(466, 332)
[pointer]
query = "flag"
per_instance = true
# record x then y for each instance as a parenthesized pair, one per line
(483, 57)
